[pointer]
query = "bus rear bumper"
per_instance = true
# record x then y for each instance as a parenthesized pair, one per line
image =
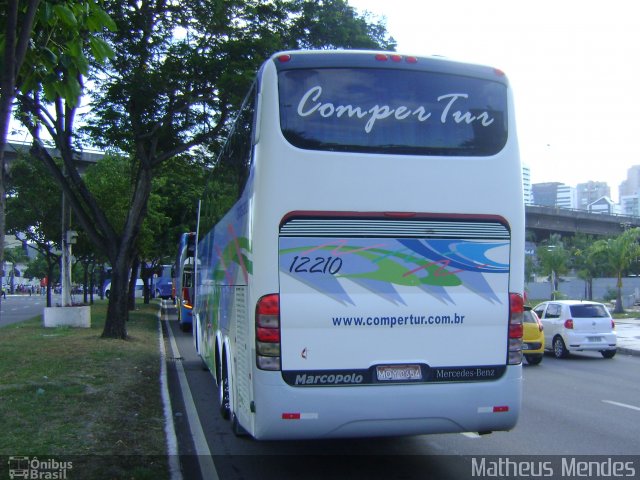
(285, 412)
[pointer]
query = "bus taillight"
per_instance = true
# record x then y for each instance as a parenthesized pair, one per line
(268, 332)
(186, 299)
(516, 329)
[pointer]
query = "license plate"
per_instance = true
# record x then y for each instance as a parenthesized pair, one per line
(398, 373)
(594, 339)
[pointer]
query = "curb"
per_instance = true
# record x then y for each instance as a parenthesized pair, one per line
(628, 351)
(169, 428)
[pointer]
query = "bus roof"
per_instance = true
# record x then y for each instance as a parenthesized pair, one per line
(300, 59)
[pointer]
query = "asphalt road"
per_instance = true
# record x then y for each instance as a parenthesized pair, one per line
(16, 308)
(584, 407)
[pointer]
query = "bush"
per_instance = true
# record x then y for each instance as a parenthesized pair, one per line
(611, 295)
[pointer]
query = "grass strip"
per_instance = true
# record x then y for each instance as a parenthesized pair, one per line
(67, 393)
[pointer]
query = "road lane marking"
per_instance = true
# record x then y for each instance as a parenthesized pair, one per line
(207, 467)
(470, 434)
(624, 405)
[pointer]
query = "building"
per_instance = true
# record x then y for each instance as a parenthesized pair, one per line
(603, 205)
(526, 185)
(630, 186)
(566, 196)
(554, 194)
(630, 205)
(590, 192)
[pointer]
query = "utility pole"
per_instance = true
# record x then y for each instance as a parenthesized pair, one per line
(65, 262)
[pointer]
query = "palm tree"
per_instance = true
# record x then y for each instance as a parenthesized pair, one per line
(587, 264)
(620, 253)
(554, 259)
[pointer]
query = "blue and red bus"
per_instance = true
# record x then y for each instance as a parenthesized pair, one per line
(183, 279)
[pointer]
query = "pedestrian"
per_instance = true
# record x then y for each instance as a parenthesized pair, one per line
(4, 294)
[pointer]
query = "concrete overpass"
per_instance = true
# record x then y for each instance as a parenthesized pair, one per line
(541, 221)
(13, 150)
(544, 221)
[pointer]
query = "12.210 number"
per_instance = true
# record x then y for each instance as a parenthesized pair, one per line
(330, 265)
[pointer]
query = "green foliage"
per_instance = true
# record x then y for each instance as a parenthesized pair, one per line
(63, 35)
(16, 255)
(111, 181)
(610, 294)
(39, 268)
(177, 78)
(619, 253)
(553, 256)
(34, 204)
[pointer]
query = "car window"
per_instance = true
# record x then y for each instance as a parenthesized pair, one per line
(539, 311)
(553, 310)
(589, 311)
(529, 317)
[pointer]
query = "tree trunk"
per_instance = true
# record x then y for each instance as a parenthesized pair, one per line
(92, 280)
(133, 280)
(117, 312)
(619, 308)
(50, 267)
(85, 283)
(146, 274)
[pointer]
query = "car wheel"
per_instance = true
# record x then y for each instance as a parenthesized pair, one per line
(608, 353)
(559, 348)
(223, 395)
(533, 359)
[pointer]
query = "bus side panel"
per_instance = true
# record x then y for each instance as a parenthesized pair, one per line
(224, 269)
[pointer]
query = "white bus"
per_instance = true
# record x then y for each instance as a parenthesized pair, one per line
(368, 279)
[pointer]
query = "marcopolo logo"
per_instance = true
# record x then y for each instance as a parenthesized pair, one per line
(328, 378)
(33, 468)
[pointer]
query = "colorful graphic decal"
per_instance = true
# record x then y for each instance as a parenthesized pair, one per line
(384, 266)
(225, 260)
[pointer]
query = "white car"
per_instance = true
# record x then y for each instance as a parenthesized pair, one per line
(575, 325)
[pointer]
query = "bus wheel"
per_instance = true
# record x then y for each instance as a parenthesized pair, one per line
(238, 430)
(223, 394)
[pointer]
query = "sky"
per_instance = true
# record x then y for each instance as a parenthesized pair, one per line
(574, 67)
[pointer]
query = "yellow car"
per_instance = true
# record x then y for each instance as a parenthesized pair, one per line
(533, 338)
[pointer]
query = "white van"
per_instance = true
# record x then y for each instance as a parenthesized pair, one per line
(139, 288)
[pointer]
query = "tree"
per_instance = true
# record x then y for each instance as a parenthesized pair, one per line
(111, 182)
(553, 260)
(586, 263)
(42, 46)
(620, 252)
(15, 255)
(33, 210)
(172, 92)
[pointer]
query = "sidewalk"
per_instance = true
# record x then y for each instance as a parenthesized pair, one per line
(628, 333)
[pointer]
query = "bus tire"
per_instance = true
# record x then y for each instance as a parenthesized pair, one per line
(238, 430)
(223, 394)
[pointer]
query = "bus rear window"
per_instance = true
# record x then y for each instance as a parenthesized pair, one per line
(392, 111)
